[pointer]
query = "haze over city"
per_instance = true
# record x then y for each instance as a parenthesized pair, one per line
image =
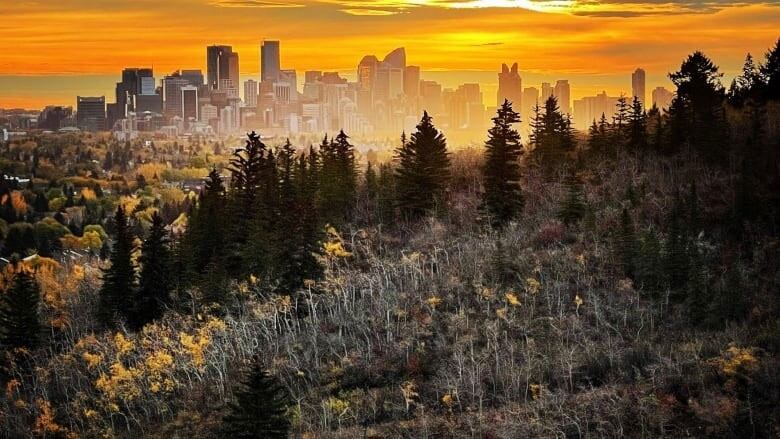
(54, 51)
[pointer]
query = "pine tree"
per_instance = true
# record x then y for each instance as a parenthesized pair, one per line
(553, 137)
(297, 231)
(19, 315)
(619, 132)
(626, 245)
(259, 409)
(598, 136)
(637, 127)
(119, 277)
(249, 169)
(503, 198)
(423, 170)
(649, 269)
(574, 206)
(204, 237)
(153, 295)
(748, 85)
(676, 260)
(697, 117)
(770, 70)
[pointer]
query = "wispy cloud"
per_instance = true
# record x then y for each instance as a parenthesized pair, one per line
(255, 4)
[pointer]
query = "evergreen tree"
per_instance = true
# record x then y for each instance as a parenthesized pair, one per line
(637, 127)
(298, 228)
(423, 170)
(574, 206)
(748, 85)
(598, 137)
(338, 179)
(20, 325)
(153, 295)
(503, 198)
(697, 116)
(553, 137)
(676, 259)
(203, 241)
(119, 278)
(249, 169)
(259, 408)
(770, 70)
(619, 132)
(649, 269)
(626, 245)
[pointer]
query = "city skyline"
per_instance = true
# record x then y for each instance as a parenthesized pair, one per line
(593, 49)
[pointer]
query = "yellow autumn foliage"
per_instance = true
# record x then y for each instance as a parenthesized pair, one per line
(512, 299)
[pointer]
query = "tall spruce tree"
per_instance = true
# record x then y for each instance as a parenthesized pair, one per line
(153, 295)
(770, 70)
(338, 179)
(249, 168)
(503, 198)
(298, 228)
(697, 117)
(119, 278)
(423, 170)
(204, 239)
(637, 127)
(259, 408)
(20, 325)
(553, 137)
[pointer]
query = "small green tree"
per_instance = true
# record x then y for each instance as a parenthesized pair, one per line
(574, 206)
(259, 408)
(626, 245)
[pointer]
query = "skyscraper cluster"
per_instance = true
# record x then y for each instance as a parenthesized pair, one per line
(386, 97)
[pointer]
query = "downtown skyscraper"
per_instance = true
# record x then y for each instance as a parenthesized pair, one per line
(221, 67)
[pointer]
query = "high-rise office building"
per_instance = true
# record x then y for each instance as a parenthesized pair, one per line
(590, 108)
(563, 93)
(221, 64)
(134, 82)
(250, 93)
(431, 97)
(662, 98)
(366, 79)
(270, 61)
(172, 85)
(193, 77)
(91, 113)
(530, 100)
(510, 86)
(189, 102)
(412, 82)
(547, 91)
(638, 85)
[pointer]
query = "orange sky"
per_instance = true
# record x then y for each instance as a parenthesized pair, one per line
(595, 44)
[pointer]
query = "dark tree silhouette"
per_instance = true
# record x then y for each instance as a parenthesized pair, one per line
(20, 325)
(259, 408)
(153, 295)
(503, 198)
(423, 170)
(120, 277)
